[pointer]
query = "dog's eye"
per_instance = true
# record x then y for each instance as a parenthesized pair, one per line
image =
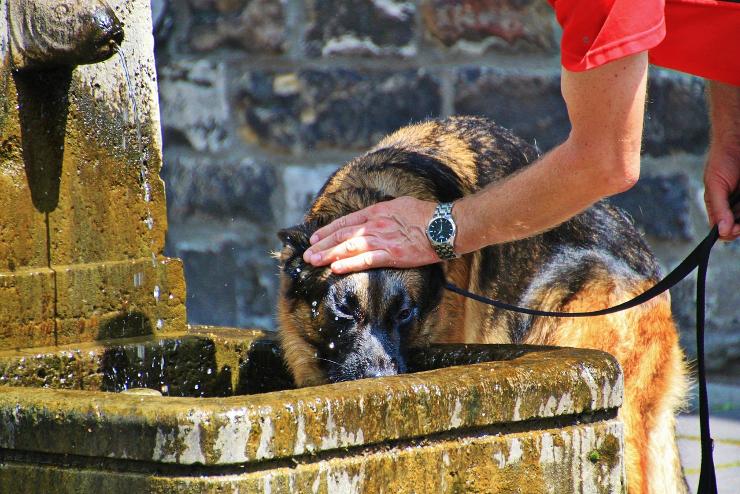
(343, 311)
(348, 308)
(405, 315)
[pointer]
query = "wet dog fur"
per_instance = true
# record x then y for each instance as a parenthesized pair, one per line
(335, 328)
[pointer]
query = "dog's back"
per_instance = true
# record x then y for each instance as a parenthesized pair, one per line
(592, 261)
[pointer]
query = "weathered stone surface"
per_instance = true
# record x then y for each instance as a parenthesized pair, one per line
(528, 391)
(86, 148)
(200, 363)
(676, 115)
(551, 461)
(23, 241)
(194, 107)
(528, 103)
(333, 107)
(660, 206)
(119, 299)
(110, 202)
(232, 279)
(478, 25)
(360, 27)
(255, 26)
(27, 308)
(198, 184)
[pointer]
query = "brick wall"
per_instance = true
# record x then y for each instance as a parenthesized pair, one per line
(262, 99)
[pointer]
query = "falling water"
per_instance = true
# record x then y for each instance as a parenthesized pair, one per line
(143, 168)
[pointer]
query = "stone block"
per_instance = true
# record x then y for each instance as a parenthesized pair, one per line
(194, 107)
(331, 107)
(676, 117)
(360, 27)
(528, 103)
(232, 279)
(660, 206)
(502, 25)
(27, 308)
(119, 299)
(223, 187)
(254, 26)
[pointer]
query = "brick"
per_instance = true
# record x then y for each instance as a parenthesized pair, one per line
(202, 184)
(660, 206)
(360, 27)
(676, 118)
(193, 102)
(253, 26)
(503, 25)
(232, 279)
(529, 104)
(331, 107)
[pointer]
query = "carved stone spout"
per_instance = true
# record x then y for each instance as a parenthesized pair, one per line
(58, 33)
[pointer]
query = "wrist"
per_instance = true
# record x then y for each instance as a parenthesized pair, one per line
(469, 218)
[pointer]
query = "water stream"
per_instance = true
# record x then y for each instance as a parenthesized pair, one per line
(143, 170)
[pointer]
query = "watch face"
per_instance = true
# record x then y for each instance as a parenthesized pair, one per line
(440, 230)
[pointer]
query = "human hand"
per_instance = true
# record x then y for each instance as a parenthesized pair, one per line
(386, 234)
(721, 179)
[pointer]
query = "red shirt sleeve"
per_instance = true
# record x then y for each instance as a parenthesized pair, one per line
(598, 31)
(703, 38)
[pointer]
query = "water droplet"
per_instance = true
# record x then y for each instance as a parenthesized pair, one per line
(331, 345)
(160, 323)
(209, 371)
(314, 304)
(156, 292)
(197, 386)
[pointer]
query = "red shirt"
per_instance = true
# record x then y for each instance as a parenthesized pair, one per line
(701, 37)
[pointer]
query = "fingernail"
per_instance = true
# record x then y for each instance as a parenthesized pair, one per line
(722, 226)
(314, 238)
(315, 258)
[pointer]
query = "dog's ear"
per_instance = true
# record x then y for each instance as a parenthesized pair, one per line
(296, 240)
(306, 279)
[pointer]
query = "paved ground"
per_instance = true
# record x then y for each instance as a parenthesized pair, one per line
(724, 423)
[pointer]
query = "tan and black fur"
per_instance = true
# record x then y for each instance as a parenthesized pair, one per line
(337, 328)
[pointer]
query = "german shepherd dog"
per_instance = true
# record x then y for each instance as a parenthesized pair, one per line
(337, 328)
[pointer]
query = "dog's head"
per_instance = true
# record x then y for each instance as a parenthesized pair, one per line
(339, 328)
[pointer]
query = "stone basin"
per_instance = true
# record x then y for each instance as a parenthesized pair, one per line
(521, 419)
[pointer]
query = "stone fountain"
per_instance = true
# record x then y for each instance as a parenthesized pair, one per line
(105, 388)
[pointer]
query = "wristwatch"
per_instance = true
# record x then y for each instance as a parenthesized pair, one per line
(441, 231)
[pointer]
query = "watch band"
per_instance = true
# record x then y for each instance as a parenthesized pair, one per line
(445, 252)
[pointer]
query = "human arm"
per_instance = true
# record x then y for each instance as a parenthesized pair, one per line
(599, 158)
(722, 170)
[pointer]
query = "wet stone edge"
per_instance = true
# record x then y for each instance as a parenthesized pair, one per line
(199, 470)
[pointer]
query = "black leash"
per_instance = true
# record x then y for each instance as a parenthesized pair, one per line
(699, 257)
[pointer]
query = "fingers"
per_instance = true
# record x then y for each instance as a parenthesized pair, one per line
(718, 210)
(343, 243)
(352, 219)
(366, 260)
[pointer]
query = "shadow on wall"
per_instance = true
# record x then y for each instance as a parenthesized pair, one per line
(43, 105)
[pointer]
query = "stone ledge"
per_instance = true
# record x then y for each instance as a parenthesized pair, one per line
(538, 385)
(560, 460)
